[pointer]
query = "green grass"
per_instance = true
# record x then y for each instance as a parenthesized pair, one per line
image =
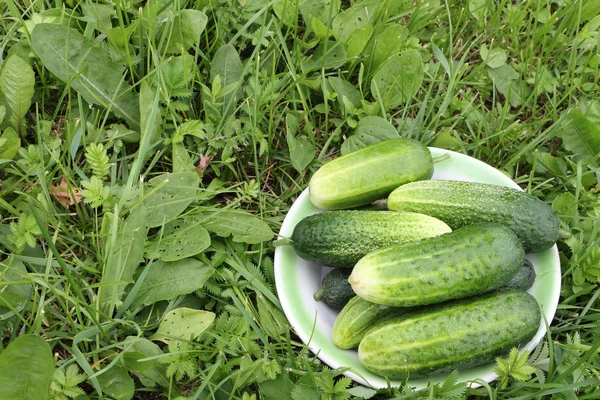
(245, 100)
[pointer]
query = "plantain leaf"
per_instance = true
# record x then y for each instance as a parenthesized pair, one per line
(150, 371)
(86, 68)
(17, 84)
(302, 151)
(117, 383)
(10, 143)
(188, 25)
(14, 295)
(508, 82)
(169, 195)
(182, 162)
(167, 280)
(581, 136)
(124, 258)
(181, 238)
(369, 130)
(387, 43)
(183, 323)
(26, 368)
(398, 79)
(226, 63)
(244, 227)
(348, 21)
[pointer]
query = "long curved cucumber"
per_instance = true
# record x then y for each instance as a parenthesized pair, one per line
(369, 174)
(463, 203)
(468, 261)
(341, 238)
(453, 335)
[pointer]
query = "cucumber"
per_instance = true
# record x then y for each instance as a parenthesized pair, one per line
(341, 238)
(524, 279)
(335, 289)
(369, 174)
(356, 318)
(458, 334)
(464, 203)
(468, 261)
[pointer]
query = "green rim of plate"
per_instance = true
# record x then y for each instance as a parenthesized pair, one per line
(297, 280)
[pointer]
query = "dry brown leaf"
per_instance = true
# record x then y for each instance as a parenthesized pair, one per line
(65, 193)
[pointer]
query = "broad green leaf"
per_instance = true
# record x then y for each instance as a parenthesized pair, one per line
(125, 253)
(556, 165)
(351, 19)
(302, 152)
(181, 238)
(320, 29)
(10, 143)
(169, 195)
(362, 392)
(344, 88)
(86, 68)
(98, 16)
(358, 40)
(565, 205)
(182, 162)
(287, 11)
(227, 65)
(581, 136)
(279, 388)
(447, 139)
(242, 226)
(322, 10)
(183, 323)
(329, 55)
(478, 8)
(494, 58)
(2, 110)
(117, 383)
(119, 36)
(507, 82)
(26, 368)
(307, 388)
(370, 130)
(16, 296)
(188, 26)
(17, 84)
(167, 280)
(151, 372)
(399, 79)
(387, 43)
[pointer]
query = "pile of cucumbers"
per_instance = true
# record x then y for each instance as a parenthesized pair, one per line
(435, 282)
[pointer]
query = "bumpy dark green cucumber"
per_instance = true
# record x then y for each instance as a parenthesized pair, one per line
(357, 317)
(335, 289)
(464, 203)
(468, 261)
(341, 238)
(524, 279)
(453, 335)
(369, 174)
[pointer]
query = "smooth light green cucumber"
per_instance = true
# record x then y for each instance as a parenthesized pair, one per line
(468, 261)
(341, 238)
(453, 335)
(335, 290)
(463, 203)
(369, 174)
(356, 318)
